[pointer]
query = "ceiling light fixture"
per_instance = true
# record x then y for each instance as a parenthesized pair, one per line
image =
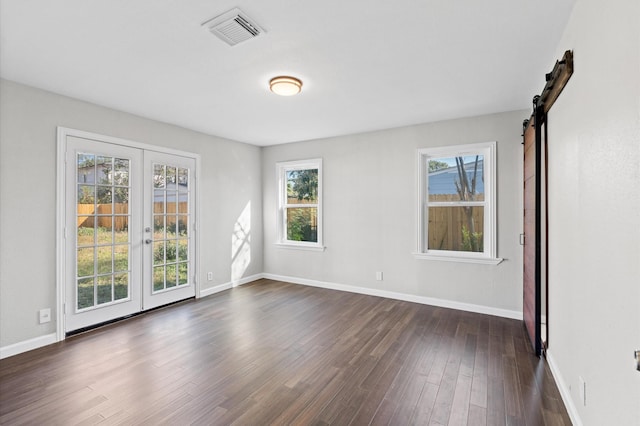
(285, 86)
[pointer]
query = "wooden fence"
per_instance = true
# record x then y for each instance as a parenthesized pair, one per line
(88, 214)
(446, 224)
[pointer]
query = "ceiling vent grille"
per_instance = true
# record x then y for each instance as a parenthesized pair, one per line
(233, 27)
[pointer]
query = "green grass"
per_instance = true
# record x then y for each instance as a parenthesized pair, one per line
(103, 269)
(86, 291)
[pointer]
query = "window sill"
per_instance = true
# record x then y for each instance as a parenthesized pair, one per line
(304, 247)
(460, 259)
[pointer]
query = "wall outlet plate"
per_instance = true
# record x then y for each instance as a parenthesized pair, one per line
(44, 315)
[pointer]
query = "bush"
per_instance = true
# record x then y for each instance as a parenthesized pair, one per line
(469, 240)
(300, 225)
(159, 253)
(173, 228)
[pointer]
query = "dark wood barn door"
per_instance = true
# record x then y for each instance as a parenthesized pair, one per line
(532, 195)
(535, 282)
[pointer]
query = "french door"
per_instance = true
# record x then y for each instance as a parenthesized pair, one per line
(168, 212)
(129, 221)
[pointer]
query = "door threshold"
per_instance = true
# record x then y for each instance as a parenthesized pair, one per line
(126, 317)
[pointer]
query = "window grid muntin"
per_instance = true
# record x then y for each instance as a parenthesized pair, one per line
(87, 182)
(313, 216)
(282, 170)
(166, 266)
(488, 152)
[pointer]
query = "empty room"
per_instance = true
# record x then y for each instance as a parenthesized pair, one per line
(314, 213)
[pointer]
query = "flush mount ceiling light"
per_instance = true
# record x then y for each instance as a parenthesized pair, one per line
(285, 86)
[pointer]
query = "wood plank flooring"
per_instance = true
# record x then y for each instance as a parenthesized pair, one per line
(278, 353)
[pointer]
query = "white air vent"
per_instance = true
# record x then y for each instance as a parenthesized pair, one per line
(233, 27)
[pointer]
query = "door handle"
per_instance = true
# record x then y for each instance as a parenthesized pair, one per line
(148, 241)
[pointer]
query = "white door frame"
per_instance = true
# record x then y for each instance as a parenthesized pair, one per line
(61, 211)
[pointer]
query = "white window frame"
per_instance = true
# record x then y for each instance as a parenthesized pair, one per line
(488, 256)
(281, 169)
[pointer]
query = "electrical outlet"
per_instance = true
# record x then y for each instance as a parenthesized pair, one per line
(583, 390)
(209, 276)
(45, 315)
(378, 276)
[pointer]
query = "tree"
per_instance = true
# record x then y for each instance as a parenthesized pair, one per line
(467, 192)
(435, 165)
(301, 225)
(112, 182)
(303, 185)
(116, 179)
(302, 188)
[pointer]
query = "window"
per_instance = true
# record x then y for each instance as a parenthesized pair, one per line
(456, 217)
(300, 204)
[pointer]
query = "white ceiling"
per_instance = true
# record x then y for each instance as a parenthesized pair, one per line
(366, 64)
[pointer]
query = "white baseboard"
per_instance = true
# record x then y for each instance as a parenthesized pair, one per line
(564, 390)
(505, 313)
(38, 342)
(226, 286)
(27, 345)
(48, 339)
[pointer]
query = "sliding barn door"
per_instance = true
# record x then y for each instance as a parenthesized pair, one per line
(532, 226)
(535, 297)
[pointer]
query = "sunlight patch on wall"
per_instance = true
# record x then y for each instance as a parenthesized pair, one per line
(241, 245)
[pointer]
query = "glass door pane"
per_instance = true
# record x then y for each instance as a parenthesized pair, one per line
(129, 229)
(103, 241)
(103, 213)
(171, 223)
(170, 187)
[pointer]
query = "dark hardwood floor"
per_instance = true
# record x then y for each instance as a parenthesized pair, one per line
(277, 353)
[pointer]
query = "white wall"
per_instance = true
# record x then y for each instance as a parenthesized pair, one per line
(369, 213)
(230, 180)
(594, 223)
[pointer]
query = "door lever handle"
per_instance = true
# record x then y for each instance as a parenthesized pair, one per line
(148, 241)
